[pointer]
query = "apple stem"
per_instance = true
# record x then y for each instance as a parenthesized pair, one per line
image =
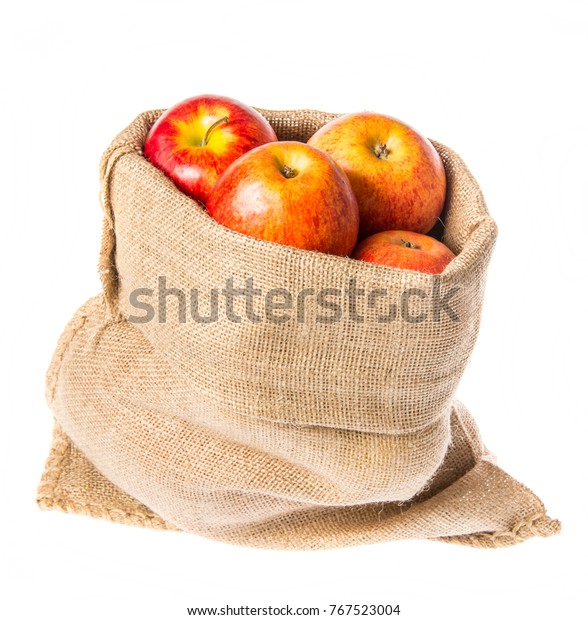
(224, 119)
(382, 151)
(409, 244)
(288, 172)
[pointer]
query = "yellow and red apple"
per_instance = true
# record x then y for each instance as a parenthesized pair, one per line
(405, 250)
(290, 193)
(194, 141)
(396, 173)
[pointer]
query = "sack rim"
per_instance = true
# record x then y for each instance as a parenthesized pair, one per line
(480, 239)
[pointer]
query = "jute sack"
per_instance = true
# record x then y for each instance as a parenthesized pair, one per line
(309, 427)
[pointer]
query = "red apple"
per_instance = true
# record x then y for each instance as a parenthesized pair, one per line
(405, 250)
(396, 173)
(194, 141)
(290, 193)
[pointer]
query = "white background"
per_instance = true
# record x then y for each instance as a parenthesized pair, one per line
(504, 85)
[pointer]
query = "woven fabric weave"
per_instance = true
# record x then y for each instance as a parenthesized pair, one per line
(298, 434)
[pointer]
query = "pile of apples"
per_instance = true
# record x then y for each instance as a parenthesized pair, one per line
(365, 185)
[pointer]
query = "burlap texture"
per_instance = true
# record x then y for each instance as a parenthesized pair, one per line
(300, 434)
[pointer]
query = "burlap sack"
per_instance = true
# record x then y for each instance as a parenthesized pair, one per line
(301, 433)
